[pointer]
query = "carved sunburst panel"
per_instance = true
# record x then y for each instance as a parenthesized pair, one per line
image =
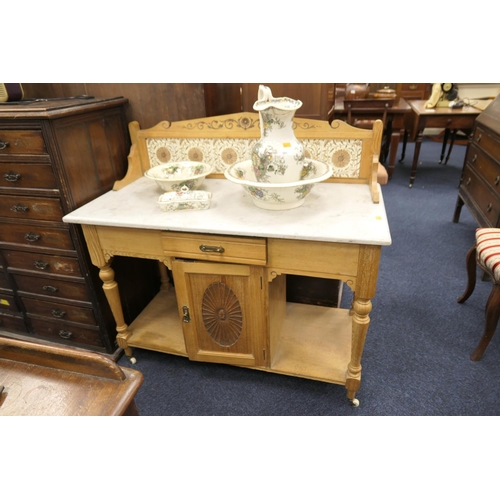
(222, 314)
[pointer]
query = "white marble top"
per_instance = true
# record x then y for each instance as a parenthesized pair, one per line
(332, 212)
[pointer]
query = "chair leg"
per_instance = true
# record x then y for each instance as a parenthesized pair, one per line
(492, 315)
(470, 263)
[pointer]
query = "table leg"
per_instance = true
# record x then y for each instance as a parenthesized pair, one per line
(395, 138)
(360, 322)
(453, 135)
(405, 141)
(110, 287)
(418, 143)
(445, 142)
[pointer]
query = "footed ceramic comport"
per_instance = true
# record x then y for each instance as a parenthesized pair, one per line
(278, 176)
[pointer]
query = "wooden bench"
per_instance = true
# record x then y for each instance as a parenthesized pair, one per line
(223, 140)
(43, 380)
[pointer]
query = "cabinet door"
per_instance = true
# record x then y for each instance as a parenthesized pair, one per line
(223, 313)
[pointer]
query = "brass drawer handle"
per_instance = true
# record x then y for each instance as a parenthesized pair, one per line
(12, 176)
(40, 264)
(474, 158)
(489, 207)
(497, 180)
(413, 87)
(32, 237)
(479, 137)
(468, 181)
(4, 144)
(20, 208)
(65, 334)
(208, 248)
(50, 288)
(57, 313)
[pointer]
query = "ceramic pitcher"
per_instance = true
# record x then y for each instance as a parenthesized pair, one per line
(278, 156)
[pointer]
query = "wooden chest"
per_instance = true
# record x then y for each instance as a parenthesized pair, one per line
(479, 186)
(54, 157)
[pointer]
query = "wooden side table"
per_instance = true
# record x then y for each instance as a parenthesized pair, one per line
(394, 126)
(447, 118)
(46, 380)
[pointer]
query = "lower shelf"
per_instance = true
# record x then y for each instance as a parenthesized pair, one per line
(158, 327)
(314, 343)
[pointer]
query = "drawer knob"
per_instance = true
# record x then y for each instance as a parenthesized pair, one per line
(31, 237)
(20, 208)
(479, 137)
(65, 334)
(468, 181)
(497, 180)
(12, 176)
(40, 264)
(50, 288)
(208, 248)
(57, 313)
(489, 207)
(474, 158)
(4, 144)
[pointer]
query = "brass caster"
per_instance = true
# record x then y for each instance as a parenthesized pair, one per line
(354, 402)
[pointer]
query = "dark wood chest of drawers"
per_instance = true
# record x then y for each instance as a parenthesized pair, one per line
(479, 186)
(54, 157)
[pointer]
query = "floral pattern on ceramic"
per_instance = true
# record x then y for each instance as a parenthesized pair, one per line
(177, 175)
(222, 153)
(277, 196)
(343, 154)
(277, 156)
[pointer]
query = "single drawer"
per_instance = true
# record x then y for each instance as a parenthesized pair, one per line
(485, 166)
(22, 142)
(49, 264)
(70, 333)
(487, 202)
(51, 287)
(7, 303)
(13, 323)
(487, 142)
(31, 207)
(59, 311)
(26, 175)
(215, 248)
(36, 236)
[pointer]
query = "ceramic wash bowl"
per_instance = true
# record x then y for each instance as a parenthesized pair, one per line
(277, 196)
(173, 176)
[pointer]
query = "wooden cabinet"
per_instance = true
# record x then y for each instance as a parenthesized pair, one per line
(54, 157)
(479, 186)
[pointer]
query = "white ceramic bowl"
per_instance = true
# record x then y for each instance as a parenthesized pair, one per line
(277, 196)
(173, 176)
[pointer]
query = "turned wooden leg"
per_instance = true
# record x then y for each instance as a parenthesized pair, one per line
(470, 263)
(360, 322)
(112, 293)
(492, 315)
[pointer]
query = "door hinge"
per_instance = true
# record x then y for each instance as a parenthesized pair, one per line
(185, 314)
